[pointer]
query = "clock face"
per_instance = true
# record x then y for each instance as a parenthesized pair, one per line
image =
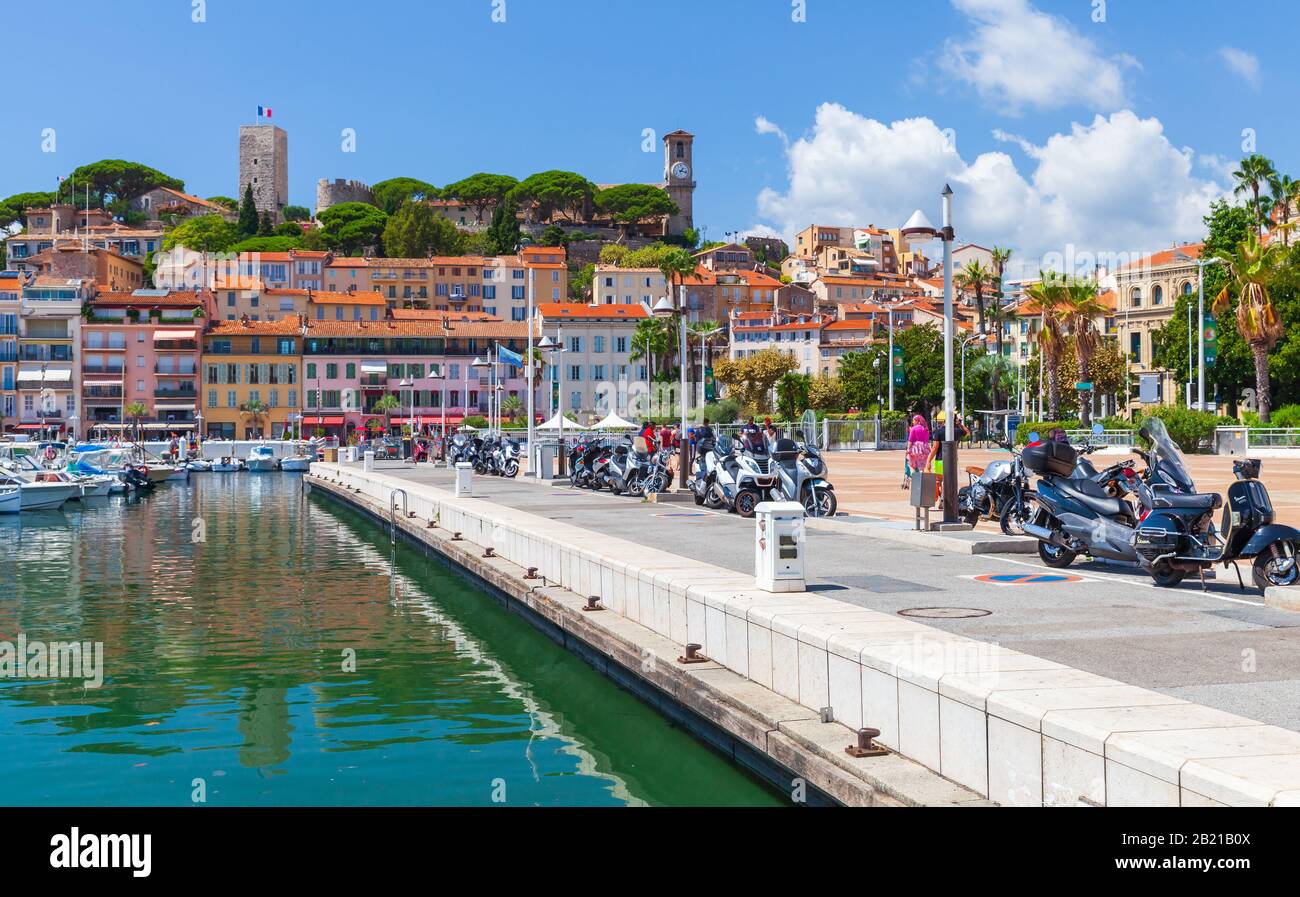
(680, 171)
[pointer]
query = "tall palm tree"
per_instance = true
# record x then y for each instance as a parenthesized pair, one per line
(386, 405)
(1253, 172)
(998, 258)
(977, 279)
(137, 412)
(1285, 192)
(1253, 267)
(1081, 305)
(255, 411)
(1046, 298)
(704, 331)
(676, 265)
(998, 317)
(652, 340)
(511, 407)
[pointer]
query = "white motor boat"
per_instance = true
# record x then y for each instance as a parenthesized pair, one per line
(227, 465)
(261, 458)
(296, 464)
(40, 495)
(199, 464)
(11, 498)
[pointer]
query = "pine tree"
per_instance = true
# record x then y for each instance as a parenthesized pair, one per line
(266, 228)
(248, 222)
(503, 233)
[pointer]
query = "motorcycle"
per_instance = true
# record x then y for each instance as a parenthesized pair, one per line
(505, 458)
(801, 476)
(999, 491)
(1176, 534)
(728, 477)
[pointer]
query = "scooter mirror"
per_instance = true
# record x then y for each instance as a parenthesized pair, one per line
(1098, 429)
(1033, 436)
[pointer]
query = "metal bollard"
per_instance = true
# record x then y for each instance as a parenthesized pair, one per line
(692, 655)
(865, 746)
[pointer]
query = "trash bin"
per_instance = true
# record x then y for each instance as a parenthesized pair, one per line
(332, 455)
(464, 479)
(779, 546)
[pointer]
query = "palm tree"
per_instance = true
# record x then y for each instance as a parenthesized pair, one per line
(511, 407)
(976, 278)
(704, 331)
(1046, 299)
(675, 265)
(652, 340)
(1253, 172)
(998, 317)
(254, 410)
(1253, 267)
(1285, 193)
(998, 258)
(386, 405)
(1081, 306)
(137, 412)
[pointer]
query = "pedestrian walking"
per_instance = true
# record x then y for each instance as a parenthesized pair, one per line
(917, 456)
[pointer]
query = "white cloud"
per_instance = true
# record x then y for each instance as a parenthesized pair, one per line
(1114, 185)
(762, 125)
(1017, 56)
(1243, 64)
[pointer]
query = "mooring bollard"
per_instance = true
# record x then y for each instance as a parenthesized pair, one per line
(593, 603)
(865, 746)
(692, 655)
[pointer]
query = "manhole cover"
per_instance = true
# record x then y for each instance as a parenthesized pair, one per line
(947, 613)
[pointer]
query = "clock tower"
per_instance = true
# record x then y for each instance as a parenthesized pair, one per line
(679, 180)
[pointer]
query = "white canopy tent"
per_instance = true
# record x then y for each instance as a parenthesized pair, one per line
(612, 421)
(554, 424)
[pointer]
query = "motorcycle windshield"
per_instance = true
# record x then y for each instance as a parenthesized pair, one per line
(723, 445)
(1168, 457)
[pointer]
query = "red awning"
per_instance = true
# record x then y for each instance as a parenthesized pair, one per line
(324, 421)
(29, 427)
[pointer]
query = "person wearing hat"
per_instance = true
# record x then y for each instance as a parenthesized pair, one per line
(937, 433)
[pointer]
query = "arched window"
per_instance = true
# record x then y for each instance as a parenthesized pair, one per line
(1158, 295)
(1187, 288)
(1135, 298)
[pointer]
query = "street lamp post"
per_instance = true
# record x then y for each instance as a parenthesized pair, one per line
(554, 351)
(409, 445)
(664, 308)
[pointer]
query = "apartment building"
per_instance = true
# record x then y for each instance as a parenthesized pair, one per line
(798, 336)
(11, 285)
(142, 347)
(612, 285)
(251, 372)
(1145, 292)
(349, 305)
(595, 372)
(254, 300)
(69, 258)
(426, 361)
(857, 248)
(47, 380)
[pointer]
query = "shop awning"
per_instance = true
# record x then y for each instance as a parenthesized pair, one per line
(101, 382)
(323, 421)
(29, 376)
(35, 375)
(29, 427)
(373, 368)
(174, 407)
(173, 334)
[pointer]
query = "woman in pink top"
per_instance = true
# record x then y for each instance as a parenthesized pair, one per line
(917, 457)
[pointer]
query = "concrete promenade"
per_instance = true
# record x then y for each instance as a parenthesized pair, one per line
(1089, 676)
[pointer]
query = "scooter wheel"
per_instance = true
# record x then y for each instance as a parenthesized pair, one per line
(1166, 576)
(1276, 566)
(1055, 555)
(746, 502)
(699, 499)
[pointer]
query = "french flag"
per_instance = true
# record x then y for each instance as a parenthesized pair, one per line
(263, 112)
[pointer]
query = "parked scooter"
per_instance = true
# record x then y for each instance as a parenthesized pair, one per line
(1176, 534)
(727, 477)
(801, 476)
(505, 457)
(999, 491)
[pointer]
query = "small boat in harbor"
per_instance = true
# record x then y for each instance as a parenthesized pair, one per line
(11, 498)
(226, 465)
(261, 458)
(39, 495)
(296, 464)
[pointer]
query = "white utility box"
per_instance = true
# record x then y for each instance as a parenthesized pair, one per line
(350, 454)
(779, 544)
(368, 461)
(543, 461)
(464, 479)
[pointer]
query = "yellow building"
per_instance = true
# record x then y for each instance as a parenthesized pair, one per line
(251, 371)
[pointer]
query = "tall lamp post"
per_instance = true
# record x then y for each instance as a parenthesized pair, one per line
(1200, 264)
(553, 349)
(665, 309)
(919, 229)
(408, 445)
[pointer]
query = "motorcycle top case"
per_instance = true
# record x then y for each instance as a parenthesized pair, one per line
(1050, 458)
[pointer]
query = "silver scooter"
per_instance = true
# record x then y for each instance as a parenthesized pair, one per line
(801, 477)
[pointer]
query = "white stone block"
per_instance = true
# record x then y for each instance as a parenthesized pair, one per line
(1072, 777)
(845, 681)
(1015, 764)
(814, 688)
(963, 744)
(918, 724)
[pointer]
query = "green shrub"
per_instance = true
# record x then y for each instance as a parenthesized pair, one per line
(1187, 428)
(1117, 423)
(723, 411)
(1286, 416)
(475, 420)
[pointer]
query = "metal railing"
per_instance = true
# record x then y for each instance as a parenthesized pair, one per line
(1273, 437)
(1121, 438)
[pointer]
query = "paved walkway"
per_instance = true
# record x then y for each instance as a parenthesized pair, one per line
(1221, 648)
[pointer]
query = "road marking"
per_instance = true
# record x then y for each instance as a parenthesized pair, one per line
(1024, 579)
(680, 514)
(1136, 582)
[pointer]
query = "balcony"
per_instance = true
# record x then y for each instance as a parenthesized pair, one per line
(177, 346)
(166, 371)
(176, 394)
(44, 353)
(99, 369)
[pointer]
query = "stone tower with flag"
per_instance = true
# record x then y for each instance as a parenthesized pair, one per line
(264, 163)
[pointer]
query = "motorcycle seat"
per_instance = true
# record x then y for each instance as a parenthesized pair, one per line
(975, 471)
(1200, 501)
(1092, 496)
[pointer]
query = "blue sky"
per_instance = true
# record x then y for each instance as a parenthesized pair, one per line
(437, 90)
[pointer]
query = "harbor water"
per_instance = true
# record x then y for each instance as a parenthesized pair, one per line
(266, 647)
